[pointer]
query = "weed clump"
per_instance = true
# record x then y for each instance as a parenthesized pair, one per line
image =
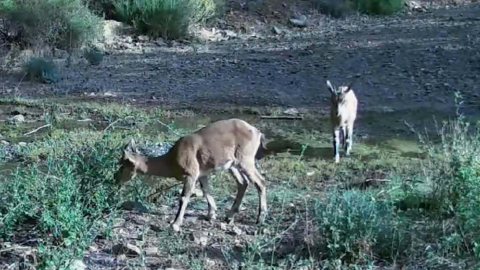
(93, 55)
(356, 228)
(373, 7)
(453, 168)
(165, 18)
(67, 198)
(64, 24)
(37, 68)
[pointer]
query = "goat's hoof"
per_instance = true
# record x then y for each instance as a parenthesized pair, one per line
(175, 227)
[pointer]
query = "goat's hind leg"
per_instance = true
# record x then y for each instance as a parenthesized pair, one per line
(251, 172)
(212, 207)
(242, 184)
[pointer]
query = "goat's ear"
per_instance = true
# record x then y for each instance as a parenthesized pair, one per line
(131, 147)
(348, 88)
(330, 87)
(128, 156)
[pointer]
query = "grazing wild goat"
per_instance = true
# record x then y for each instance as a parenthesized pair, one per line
(343, 112)
(231, 144)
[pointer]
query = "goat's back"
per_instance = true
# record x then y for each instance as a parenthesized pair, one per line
(220, 142)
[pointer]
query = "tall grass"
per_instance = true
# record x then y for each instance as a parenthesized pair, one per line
(65, 197)
(59, 23)
(165, 18)
(453, 168)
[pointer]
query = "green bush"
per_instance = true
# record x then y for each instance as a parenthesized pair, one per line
(37, 68)
(65, 197)
(356, 228)
(93, 55)
(165, 18)
(453, 169)
(341, 8)
(60, 23)
(379, 7)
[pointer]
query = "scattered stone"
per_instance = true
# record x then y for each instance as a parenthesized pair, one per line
(22, 144)
(77, 265)
(276, 30)
(126, 249)
(209, 263)
(300, 21)
(237, 231)
(160, 43)
(3, 142)
(92, 249)
(134, 206)
(230, 34)
(310, 173)
(223, 226)
(199, 238)
(16, 119)
(151, 251)
(109, 94)
(143, 38)
(415, 6)
(291, 111)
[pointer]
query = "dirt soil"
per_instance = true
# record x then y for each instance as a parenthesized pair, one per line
(413, 60)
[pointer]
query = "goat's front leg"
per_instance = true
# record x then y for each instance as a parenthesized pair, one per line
(336, 144)
(188, 186)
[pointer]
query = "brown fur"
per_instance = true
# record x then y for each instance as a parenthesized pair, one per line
(231, 144)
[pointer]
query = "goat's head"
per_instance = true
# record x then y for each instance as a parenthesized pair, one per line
(129, 163)
(339, 93)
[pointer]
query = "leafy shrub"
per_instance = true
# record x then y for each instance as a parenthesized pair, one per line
(60, 23)
(166, 18)
(41, 69)
(454, 170)
(64, 197)
(354, 227)
(93, 55)
(342, 7)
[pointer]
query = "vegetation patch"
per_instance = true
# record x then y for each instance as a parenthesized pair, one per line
(37, 68)
(63, 24)
(165, 18)
(372, 7)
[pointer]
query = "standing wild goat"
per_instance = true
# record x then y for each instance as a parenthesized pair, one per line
(231, 144)
(343, 112)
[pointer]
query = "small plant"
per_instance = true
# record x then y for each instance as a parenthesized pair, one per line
(37, 68)
(64, 24)
(343, 7)
(93, 55)
(166, 18)
(354, 227)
